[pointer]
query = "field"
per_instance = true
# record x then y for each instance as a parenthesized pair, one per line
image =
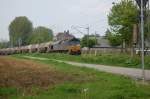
(31, 79)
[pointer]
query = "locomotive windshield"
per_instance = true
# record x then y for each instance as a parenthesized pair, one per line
(72, 42)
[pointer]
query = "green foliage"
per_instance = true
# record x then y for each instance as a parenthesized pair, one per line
(88, 41)
(114, 39)
(4, 44)
(40, 35)
(19, 30)
(147, 28)
(122, 17)
(122, 60)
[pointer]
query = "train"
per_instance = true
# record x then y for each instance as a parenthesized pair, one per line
(71, 46)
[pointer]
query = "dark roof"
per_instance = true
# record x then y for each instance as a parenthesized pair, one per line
(64, 36)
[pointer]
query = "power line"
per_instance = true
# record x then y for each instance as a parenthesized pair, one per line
(88, 32)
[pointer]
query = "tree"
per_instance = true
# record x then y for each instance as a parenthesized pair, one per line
(121, 19)
(19, 30)
(40, 35)
(88, 41)
(4, 44)
(114, 39)
(147, 27)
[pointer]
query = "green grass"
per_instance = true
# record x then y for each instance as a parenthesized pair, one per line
(99, 85)
(123, 60)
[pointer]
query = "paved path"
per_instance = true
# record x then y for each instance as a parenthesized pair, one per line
(131, 72)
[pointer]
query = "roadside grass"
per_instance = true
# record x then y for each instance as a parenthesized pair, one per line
(88, 84)
(123, 60)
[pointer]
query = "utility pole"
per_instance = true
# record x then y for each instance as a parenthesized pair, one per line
(142, 5)
(88, 33)
(95, 44)
(142, 40)
(19, 42)
(95, 37)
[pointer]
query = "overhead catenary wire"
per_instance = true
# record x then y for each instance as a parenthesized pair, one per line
(88, 32)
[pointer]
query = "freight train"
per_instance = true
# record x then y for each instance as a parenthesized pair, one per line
(71, 46)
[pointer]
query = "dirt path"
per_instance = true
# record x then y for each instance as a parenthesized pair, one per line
(131, 72)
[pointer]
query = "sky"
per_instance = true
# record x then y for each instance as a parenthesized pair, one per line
(58, 15)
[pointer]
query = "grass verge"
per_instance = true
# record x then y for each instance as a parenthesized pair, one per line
(87, 84)
(122, 60)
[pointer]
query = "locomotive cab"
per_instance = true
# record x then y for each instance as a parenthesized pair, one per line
(74, 47)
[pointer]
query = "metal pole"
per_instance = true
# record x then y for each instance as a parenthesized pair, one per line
(148, 19)
(88, 36)
(142, 40)
(95, 38)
